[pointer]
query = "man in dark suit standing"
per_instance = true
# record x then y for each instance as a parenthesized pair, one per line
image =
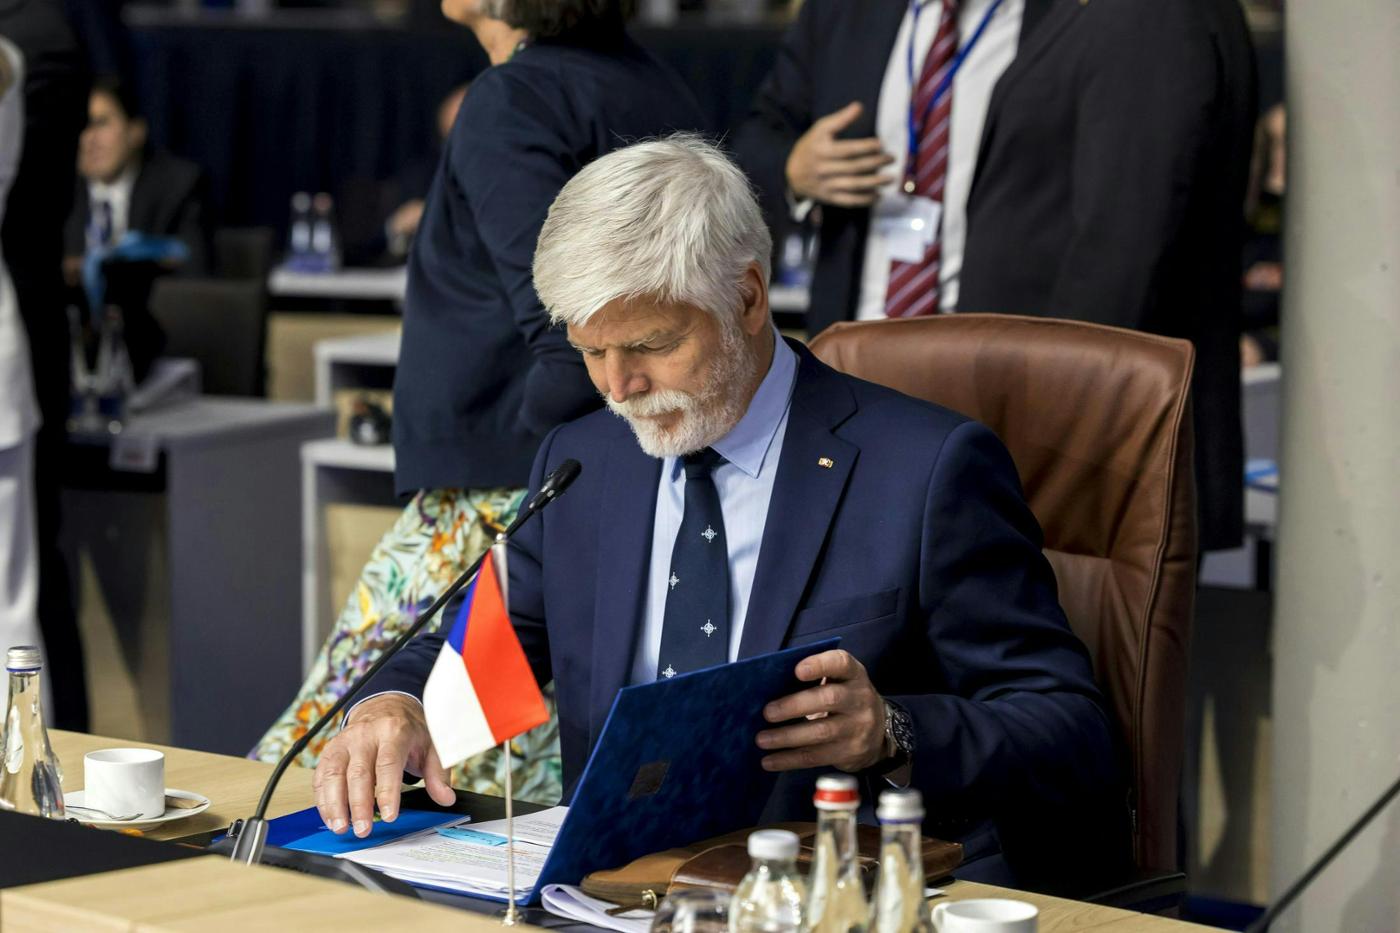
(1110, 188)
(1098, 176)
(863, 100)
(750, 498)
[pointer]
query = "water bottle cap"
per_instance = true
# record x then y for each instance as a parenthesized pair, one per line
(837, 792)
(301, 200)
(900, 806)
(24, 658)
(773, 844)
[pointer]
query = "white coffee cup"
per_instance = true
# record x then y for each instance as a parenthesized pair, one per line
(125, 781)
(985, 915)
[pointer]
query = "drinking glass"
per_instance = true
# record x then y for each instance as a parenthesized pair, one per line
(693, 910)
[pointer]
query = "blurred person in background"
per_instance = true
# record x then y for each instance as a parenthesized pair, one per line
(62, 42)
(19, 409)
(1110, 188)
(831, 127)
(378, 219)
(482, 374)
(127, 186)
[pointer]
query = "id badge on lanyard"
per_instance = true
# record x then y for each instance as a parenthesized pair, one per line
(908, 224)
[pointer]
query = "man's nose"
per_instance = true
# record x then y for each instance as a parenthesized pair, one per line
(624, 379)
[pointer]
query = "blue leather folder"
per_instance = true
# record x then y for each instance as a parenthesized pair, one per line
(676, 763)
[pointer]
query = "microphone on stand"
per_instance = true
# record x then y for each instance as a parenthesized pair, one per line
(1288, 897)
(250, 835)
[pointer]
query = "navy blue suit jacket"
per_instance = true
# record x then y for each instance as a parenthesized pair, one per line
(916, 547)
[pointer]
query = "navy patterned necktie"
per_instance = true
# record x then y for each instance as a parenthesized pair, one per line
(100, 227)
(695, 632)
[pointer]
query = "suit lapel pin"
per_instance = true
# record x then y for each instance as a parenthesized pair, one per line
(825, 463)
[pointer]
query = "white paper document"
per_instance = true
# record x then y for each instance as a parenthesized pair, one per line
(540, 828)
(466, 865)
(567, 901)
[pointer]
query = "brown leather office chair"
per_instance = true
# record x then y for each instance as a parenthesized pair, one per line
(1098, 422)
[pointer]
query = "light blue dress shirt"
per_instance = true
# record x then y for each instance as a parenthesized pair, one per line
(745, 484)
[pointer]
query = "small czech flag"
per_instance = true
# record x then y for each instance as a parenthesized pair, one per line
(481, 691)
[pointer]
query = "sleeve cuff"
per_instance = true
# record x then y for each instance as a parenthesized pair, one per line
(345, 720)
(798, 208)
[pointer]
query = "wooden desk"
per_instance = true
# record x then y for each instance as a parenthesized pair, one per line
(233, 785)
(210, 894)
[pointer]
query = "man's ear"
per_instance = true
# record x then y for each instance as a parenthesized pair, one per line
(138, 130)
(754, 288)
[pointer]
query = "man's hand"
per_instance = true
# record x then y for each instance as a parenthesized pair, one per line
(844, 172)
(845, 725)
(364, 764)
(404, 221)
(72, 270)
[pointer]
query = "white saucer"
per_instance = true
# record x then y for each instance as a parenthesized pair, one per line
(75, 798)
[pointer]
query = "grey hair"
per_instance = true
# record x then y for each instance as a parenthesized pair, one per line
(673, 220)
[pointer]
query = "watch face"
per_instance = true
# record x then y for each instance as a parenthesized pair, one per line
(902, 728)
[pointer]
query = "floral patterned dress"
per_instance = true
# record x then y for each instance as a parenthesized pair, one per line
(436, 537)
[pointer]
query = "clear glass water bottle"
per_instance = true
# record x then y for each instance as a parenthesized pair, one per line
(792, 262)
(325, 243)
(299, 238)
(30, 779)
(83, 417)
(835, 897)
(769, 899)
(113, 379)
(898, 905)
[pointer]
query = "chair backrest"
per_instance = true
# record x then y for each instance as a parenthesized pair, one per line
(221, 323)
(243, 252)
(1098, 422)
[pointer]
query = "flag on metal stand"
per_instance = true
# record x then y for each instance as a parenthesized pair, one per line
(481, 692)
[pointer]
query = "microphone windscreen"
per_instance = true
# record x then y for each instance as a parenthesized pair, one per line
(563, 475)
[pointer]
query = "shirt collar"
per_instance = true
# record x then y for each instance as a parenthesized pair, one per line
(119, 187)
(747, 443)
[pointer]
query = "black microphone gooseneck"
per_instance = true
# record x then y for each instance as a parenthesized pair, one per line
(250, 835)
(1288, 897)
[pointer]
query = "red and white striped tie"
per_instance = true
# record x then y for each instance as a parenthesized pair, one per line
(913, 288)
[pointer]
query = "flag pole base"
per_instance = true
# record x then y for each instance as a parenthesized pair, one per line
(511, 916)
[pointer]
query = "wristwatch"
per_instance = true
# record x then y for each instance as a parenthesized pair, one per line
(899, 736)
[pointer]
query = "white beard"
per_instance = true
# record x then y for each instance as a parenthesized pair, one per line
(706, 416)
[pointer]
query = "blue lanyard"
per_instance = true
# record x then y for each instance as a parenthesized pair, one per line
(915, 6)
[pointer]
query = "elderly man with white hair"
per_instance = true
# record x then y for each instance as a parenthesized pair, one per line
(737, 497)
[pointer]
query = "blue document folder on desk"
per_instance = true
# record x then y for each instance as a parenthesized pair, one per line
(676, 763)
